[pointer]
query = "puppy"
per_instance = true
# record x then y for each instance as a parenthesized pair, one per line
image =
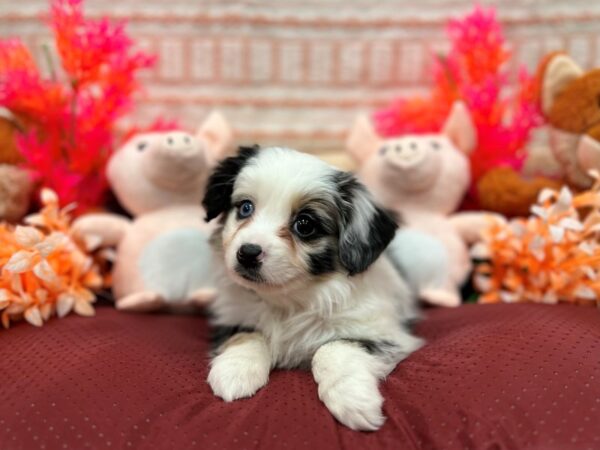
(303, 283)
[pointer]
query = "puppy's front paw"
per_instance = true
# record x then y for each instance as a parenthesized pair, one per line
(233, 378)
(240, 370)
(356, 405)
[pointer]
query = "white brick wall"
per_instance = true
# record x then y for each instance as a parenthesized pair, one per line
(296, 72)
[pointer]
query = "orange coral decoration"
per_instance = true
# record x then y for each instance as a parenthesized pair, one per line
(553, 256)
(43, 269)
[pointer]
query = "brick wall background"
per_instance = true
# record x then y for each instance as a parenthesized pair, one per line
(297, 71)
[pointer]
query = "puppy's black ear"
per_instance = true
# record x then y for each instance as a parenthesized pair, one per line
(219, 188)
(366, 229)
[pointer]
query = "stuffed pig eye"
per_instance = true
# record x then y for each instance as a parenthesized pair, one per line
(382, 150)
(141, 146)
(435, 145)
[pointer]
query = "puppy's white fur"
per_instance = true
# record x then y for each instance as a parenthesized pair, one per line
(299, 318)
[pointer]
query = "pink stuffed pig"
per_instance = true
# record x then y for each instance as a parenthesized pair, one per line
(163, 258)
(424, 178)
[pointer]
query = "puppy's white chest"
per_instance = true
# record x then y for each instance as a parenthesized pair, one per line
(293, 341)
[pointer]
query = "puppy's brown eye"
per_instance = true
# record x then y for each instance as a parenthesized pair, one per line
(304, 226)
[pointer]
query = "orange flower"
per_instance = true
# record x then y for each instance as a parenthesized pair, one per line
(43, 269)
(553, 256)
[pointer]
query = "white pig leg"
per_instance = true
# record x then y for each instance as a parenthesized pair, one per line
(141, 302)
(449, 297)
(201, 297)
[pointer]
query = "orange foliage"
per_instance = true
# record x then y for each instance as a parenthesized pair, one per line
(552, 256)
(43, 269)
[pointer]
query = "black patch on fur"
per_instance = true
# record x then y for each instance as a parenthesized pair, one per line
(356, 251)
(411, 324)
(221, 333)
(373, 347)
(217, 198)
(322, 262)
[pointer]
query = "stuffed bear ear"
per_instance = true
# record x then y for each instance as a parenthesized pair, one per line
(459, 128)
(219, 188)
(216, 133)
(366, 229)
(362, 140)
(559, 71)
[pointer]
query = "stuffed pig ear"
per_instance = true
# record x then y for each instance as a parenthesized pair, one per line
(362, 141)
(459, 128)
(560, 70)
(216, 133)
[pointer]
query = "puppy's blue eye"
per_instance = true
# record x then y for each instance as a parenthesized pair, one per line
(245, 209)
(304, 226)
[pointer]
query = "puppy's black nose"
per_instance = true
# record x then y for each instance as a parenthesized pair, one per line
(248, 255)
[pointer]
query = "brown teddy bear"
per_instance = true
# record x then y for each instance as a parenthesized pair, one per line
(570, 100)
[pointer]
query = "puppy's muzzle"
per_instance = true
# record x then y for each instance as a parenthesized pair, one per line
(250, 256)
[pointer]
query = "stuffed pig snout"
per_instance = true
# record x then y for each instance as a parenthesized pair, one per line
(411, 164)
(175, 161)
